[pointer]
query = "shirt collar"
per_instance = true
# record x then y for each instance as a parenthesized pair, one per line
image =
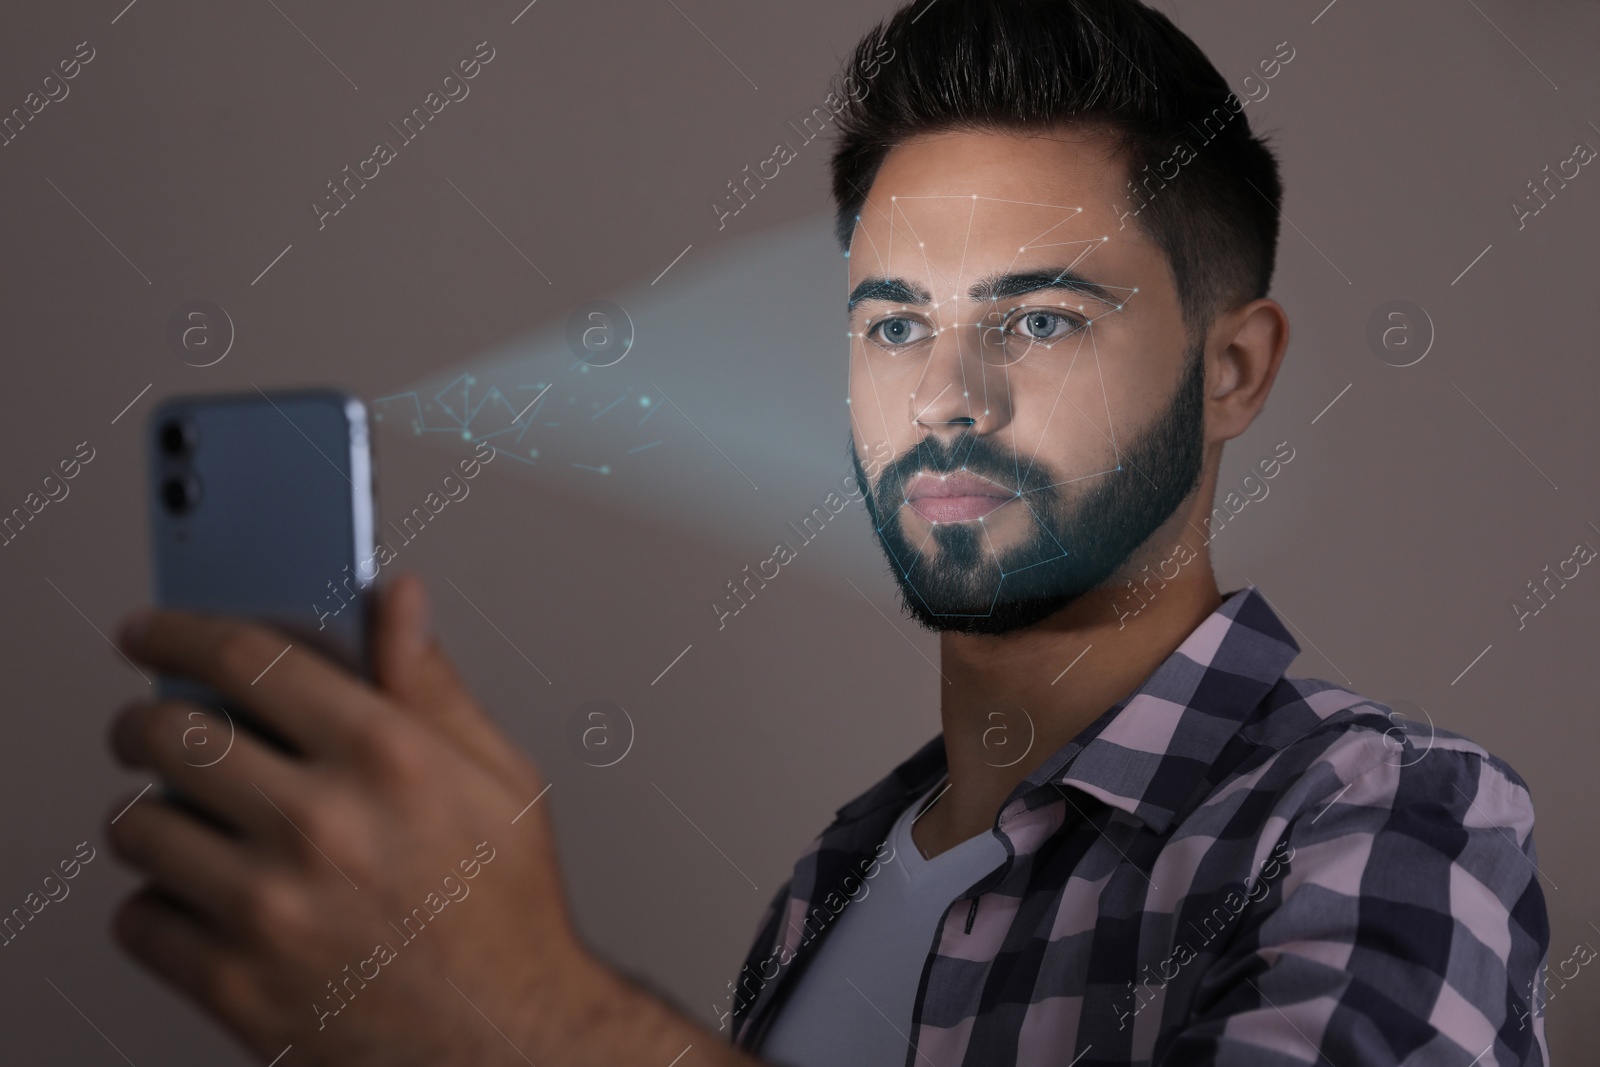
(1149, 751)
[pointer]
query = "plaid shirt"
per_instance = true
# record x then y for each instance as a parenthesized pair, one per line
(1229, 867)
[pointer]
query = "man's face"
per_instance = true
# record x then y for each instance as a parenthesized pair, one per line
(1019, 374)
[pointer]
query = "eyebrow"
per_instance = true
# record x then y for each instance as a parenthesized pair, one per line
(889, 290)
(1017, 283)
(990, 288)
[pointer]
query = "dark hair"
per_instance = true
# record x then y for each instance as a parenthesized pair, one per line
(1113, 64)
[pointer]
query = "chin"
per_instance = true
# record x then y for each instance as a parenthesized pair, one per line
(1003, 617)
(979, 600)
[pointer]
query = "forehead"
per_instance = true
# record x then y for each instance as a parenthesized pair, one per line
(951, 206)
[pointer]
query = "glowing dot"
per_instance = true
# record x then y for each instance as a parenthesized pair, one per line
(605, 470)
(534, 452)
(644, 401)
(847, 255)
(471, 380)
(466, 435)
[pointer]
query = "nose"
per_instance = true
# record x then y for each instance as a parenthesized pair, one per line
(955, 394)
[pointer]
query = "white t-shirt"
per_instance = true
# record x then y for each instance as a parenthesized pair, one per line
(852, 1006)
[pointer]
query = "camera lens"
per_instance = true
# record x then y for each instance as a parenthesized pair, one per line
(178, 437)
(180, 495)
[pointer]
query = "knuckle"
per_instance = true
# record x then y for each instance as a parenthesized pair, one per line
(273, 912)
(123, 724)
(228, 987)
(129, 924)
(335, 831)
(159, 728)
(320, 823)
(240, 651)
(133, 831)
(395, 756)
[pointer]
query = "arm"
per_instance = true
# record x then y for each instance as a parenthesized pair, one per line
(1409, 929)
(388, 894)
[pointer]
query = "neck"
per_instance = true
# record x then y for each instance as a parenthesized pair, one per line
(1011, 701)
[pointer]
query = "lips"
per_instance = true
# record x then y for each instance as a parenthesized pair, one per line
(956, 497)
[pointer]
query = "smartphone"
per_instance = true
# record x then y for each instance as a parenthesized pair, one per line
(262, 506)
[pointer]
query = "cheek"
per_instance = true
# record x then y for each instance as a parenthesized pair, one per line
(879, 410)
(1124, 401)
(1068, 424)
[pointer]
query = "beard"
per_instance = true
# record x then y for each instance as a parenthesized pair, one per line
(955, 581)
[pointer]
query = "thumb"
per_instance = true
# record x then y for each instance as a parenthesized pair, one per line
(410, 667)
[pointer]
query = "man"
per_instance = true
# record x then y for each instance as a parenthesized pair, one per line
(1135, 840)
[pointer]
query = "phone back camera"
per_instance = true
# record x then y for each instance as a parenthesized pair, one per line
(180, 495)
(178, 437)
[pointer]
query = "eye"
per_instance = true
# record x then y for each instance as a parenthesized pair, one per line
(1045, 326)
(898, 331)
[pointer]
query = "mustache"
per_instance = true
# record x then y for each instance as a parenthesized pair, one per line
(966, 451)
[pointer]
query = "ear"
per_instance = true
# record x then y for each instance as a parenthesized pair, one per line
(1249, 342)
(413, 671)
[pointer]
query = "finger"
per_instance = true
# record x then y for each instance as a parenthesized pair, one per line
(291, 688)
(188, 861)
(411, 666)
(179, 950)
(212, 761)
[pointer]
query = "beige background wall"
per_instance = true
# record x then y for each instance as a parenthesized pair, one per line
(186, 156)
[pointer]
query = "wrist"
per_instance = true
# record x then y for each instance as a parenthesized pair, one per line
(603, 1019)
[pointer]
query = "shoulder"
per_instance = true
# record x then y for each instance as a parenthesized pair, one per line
(1315, 738)
(1404, 892)
(1346, 780)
